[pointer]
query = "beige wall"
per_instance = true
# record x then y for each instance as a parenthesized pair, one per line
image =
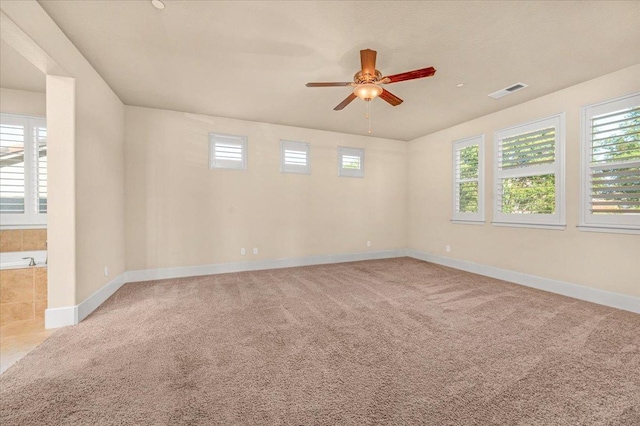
(22, 102)
(600, 260)
(99, 186)
(181, 213)
(98, 168)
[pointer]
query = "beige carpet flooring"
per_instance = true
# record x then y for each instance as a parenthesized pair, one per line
(379, 342)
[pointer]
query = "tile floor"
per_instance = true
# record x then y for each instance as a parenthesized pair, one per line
(18, 338)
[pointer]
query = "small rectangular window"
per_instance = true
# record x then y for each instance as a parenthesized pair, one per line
(294, 157)
(468, 180)
(350, 162)
(611, 165)
(227, 151)
(23, 170)
(529, 174)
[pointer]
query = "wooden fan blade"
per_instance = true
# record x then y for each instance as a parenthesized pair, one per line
(346, 102)
(390, 97)
(368, 61)
(411, 75)
(328, 84)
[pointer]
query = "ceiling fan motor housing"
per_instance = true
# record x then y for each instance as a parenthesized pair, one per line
(361, 78)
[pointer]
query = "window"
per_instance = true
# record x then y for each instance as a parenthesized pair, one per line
(294, 157)
(611, 165)
(227, 151)
(350, 162)
(23, 170)
(468, 180)
(529, 174)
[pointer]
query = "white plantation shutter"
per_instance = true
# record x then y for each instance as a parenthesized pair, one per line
(12, 166)
(23, 175)
(468, 179)
(40, 135)
(611, 182)
(529, 181)
(350, 162)
(529, 149)
(294, 157)
(227, 151)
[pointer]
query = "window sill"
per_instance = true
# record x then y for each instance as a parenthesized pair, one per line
(30, 226)
(531, 225)
(608, 229)
(468, 221)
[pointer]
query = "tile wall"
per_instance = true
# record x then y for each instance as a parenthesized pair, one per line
(23, 292)
(23, 239)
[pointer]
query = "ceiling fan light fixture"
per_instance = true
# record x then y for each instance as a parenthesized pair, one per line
(367, 91)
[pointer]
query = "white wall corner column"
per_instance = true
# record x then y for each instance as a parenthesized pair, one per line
(61, 92)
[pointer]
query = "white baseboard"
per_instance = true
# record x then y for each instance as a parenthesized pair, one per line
(256, 265)
(60, 317)
(589, 294)
(92, 302)
(72, 315)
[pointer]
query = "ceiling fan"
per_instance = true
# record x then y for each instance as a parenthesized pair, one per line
(367, 81)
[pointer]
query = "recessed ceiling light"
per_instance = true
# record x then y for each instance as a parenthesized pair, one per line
(459, 84)
(157, 4)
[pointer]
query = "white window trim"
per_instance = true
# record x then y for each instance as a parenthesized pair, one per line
(357, 173)
(464, 217)
(215, 164)
(30, 218)
(299, 146)
(589, 222)
(545, 221)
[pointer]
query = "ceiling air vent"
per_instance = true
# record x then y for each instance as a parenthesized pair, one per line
(508, 90)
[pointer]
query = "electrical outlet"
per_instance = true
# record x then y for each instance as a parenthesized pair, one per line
(368, 243)
(242, 252)
(106, 271)
(448, 248)
(255, 250)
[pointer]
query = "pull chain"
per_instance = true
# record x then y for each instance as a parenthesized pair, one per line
(367, 113)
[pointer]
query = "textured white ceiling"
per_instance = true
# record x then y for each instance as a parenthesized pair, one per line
(250, 60)
(16, 72)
